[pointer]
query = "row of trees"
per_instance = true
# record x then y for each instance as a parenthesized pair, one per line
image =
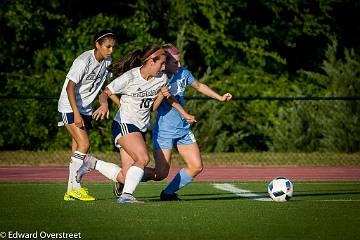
(246, 47)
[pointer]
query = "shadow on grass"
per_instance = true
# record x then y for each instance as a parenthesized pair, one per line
(231, 196)
(309, 194)
(224, 197)
(207, 197)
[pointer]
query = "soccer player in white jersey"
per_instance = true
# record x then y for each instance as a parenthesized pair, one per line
(141, 83)
(82, 84)
(171, 129)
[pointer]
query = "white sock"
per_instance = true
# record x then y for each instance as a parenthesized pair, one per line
(133, 178)
(75, 163)
(109, 170)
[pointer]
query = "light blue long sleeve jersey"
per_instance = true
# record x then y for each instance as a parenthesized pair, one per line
(169, 123)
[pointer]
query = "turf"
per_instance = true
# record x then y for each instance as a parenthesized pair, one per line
(319, 210)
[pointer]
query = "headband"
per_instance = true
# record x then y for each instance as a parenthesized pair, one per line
(109, 33)
(155, 54)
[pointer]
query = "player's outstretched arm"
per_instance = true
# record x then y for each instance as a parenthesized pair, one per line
(175, 104)
(206, 90)
(103, 110)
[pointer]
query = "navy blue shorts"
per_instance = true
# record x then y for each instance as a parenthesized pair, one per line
(120, 129)
(68, 118)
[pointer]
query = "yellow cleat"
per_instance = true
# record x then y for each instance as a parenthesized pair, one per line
(81, 194)
(67, 197)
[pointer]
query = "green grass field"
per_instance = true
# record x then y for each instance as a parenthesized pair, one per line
(319, 210)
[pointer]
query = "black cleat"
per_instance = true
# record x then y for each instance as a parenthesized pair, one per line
(117, 190)
(169, 197)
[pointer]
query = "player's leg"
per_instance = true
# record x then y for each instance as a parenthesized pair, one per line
(81, 146)
(126, 160)
(162, 159)
(189, 151)
(134, 145)
(126, 163)
(80, 136)
(162, 163)
(192, 157)
(107, 169)
(162, 156)
(72, 169)
(119, 130)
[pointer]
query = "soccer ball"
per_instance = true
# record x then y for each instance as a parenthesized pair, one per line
(280, 189)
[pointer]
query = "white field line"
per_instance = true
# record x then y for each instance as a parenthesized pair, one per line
(240, 192)
(248, 194)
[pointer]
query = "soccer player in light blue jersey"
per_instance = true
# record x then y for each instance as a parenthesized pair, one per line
(171, 129)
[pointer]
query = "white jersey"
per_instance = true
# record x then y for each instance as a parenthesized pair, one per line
(137, 97)
(89, 75)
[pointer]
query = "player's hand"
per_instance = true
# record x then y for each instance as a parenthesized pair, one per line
(226, 97)
(165, 92)
(78, 120)
(101, 112)
(189, 118)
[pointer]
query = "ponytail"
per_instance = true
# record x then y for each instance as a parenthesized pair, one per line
(136, 58)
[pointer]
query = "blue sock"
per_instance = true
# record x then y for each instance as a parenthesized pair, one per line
(179, 181)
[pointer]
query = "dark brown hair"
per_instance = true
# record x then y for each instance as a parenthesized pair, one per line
(134, 59)
(102, 35)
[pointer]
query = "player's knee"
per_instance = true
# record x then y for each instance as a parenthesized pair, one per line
(143, 160)
(196, 169)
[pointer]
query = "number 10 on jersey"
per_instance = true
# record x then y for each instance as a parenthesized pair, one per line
(145, 103)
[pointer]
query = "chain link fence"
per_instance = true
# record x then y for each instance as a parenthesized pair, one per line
(251, 131)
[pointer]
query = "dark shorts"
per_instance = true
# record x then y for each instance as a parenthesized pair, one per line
(120, 129)
(68, 118)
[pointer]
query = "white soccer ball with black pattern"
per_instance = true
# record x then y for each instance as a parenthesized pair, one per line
(280, 189)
